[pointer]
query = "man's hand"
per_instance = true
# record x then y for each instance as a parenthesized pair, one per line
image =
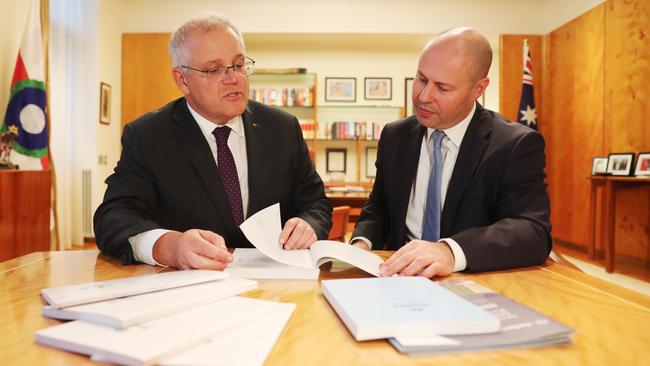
(194, 248)
(420, 258)
(297, 234)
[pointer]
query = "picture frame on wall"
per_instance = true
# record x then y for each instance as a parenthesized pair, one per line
(371, 158)
(336, 160)
(408, 97)
(104, 103)
(620, 164)
(642, 165)
(599, 165)
(378, 88)
(340, 89)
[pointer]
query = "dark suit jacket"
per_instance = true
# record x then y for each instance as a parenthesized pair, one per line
(167, 178)
(496, 207)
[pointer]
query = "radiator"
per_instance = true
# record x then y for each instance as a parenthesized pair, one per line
(86, 214)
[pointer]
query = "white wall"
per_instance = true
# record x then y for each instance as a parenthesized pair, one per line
(13, 17)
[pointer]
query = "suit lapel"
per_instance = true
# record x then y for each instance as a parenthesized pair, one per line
(255, 156)
(193, 142)
(409, 156)
(472, 148)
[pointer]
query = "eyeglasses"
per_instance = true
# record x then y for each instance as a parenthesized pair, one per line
(217, 73)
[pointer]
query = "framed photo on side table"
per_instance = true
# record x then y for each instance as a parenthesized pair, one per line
(336, 160)
(599, 166)
(408, 97)
(340, 89)
(378, 89)
(643, 165)
(620, 164)
(104, 103)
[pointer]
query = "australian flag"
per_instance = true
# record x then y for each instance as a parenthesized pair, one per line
(527, 114)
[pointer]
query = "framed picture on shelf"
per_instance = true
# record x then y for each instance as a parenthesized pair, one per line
(340, 89)
(643, 165)
(378, 88)
(599, 165)
(408, 97)
(336, 160)
(620, 164)
(371, 157)
(104, 103)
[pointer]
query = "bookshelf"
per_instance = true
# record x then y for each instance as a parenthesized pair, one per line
(343, 137)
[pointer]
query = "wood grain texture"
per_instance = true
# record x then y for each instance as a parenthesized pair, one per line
(511, 65)
(24, 212)
(147, 82)
(611, 322)
(627, 111)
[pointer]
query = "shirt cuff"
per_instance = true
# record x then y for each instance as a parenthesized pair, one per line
(143, 243)
(365, 240)
(460, 262)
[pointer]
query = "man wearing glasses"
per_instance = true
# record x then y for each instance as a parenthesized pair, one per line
(191, 172)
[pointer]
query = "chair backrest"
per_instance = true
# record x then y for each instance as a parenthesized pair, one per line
(340, 217)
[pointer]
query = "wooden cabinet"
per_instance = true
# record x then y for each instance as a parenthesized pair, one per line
(24, 212)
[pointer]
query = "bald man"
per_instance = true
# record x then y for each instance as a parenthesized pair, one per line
(458, 187)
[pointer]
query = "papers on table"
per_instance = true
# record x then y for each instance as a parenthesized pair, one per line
(196, 324)
(377, 308)
(263, 231)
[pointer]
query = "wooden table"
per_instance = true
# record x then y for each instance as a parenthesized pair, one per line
(612, 323)
(611, 185)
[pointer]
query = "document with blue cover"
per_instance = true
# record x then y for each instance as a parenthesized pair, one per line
(378, 308)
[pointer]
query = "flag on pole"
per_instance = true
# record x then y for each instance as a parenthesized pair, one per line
(26, 108)
(527, 114)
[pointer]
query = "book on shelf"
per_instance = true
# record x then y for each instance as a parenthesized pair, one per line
(308, 127)
(348, 130)
(128, 311)
(386, 307)
(269, 260)
(521, 326)
(284, 97)
(280, 71)
(64, 296)
(186, 337)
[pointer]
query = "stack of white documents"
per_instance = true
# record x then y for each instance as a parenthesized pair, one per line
(171, 318)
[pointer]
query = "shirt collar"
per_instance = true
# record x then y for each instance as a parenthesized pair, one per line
(236, 124)
(456, 132)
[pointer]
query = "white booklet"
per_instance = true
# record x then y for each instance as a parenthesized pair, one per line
(377, 308)
(128, 311)
(86, 293)
(263, 230)
(237, 346)
(163, 338)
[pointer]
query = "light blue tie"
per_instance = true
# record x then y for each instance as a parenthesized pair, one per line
(431, 230)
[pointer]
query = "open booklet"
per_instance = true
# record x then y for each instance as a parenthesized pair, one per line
(271, 261)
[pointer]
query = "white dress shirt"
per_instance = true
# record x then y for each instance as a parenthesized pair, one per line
(143, 243)
(418, 199)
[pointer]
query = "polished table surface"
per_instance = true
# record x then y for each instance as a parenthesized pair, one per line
(612, 324)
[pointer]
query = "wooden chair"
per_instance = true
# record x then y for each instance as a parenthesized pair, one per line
(340, 218)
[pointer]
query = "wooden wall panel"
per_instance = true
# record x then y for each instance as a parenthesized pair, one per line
(627, 111)
(24, 212)
(511, 71)
(147, 82)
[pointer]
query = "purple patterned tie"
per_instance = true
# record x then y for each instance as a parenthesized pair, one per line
(228, 173)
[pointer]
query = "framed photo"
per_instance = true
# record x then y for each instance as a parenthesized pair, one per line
(340, 89)
(336, 160)
(408, 97)
(371, 157)
(620, 164)
(378, 88)
(643, 165)
(104, 103)
(599, 166)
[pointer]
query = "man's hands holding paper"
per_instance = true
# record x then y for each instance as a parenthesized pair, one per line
(200, 249)
(297, 234)
(420, 258)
